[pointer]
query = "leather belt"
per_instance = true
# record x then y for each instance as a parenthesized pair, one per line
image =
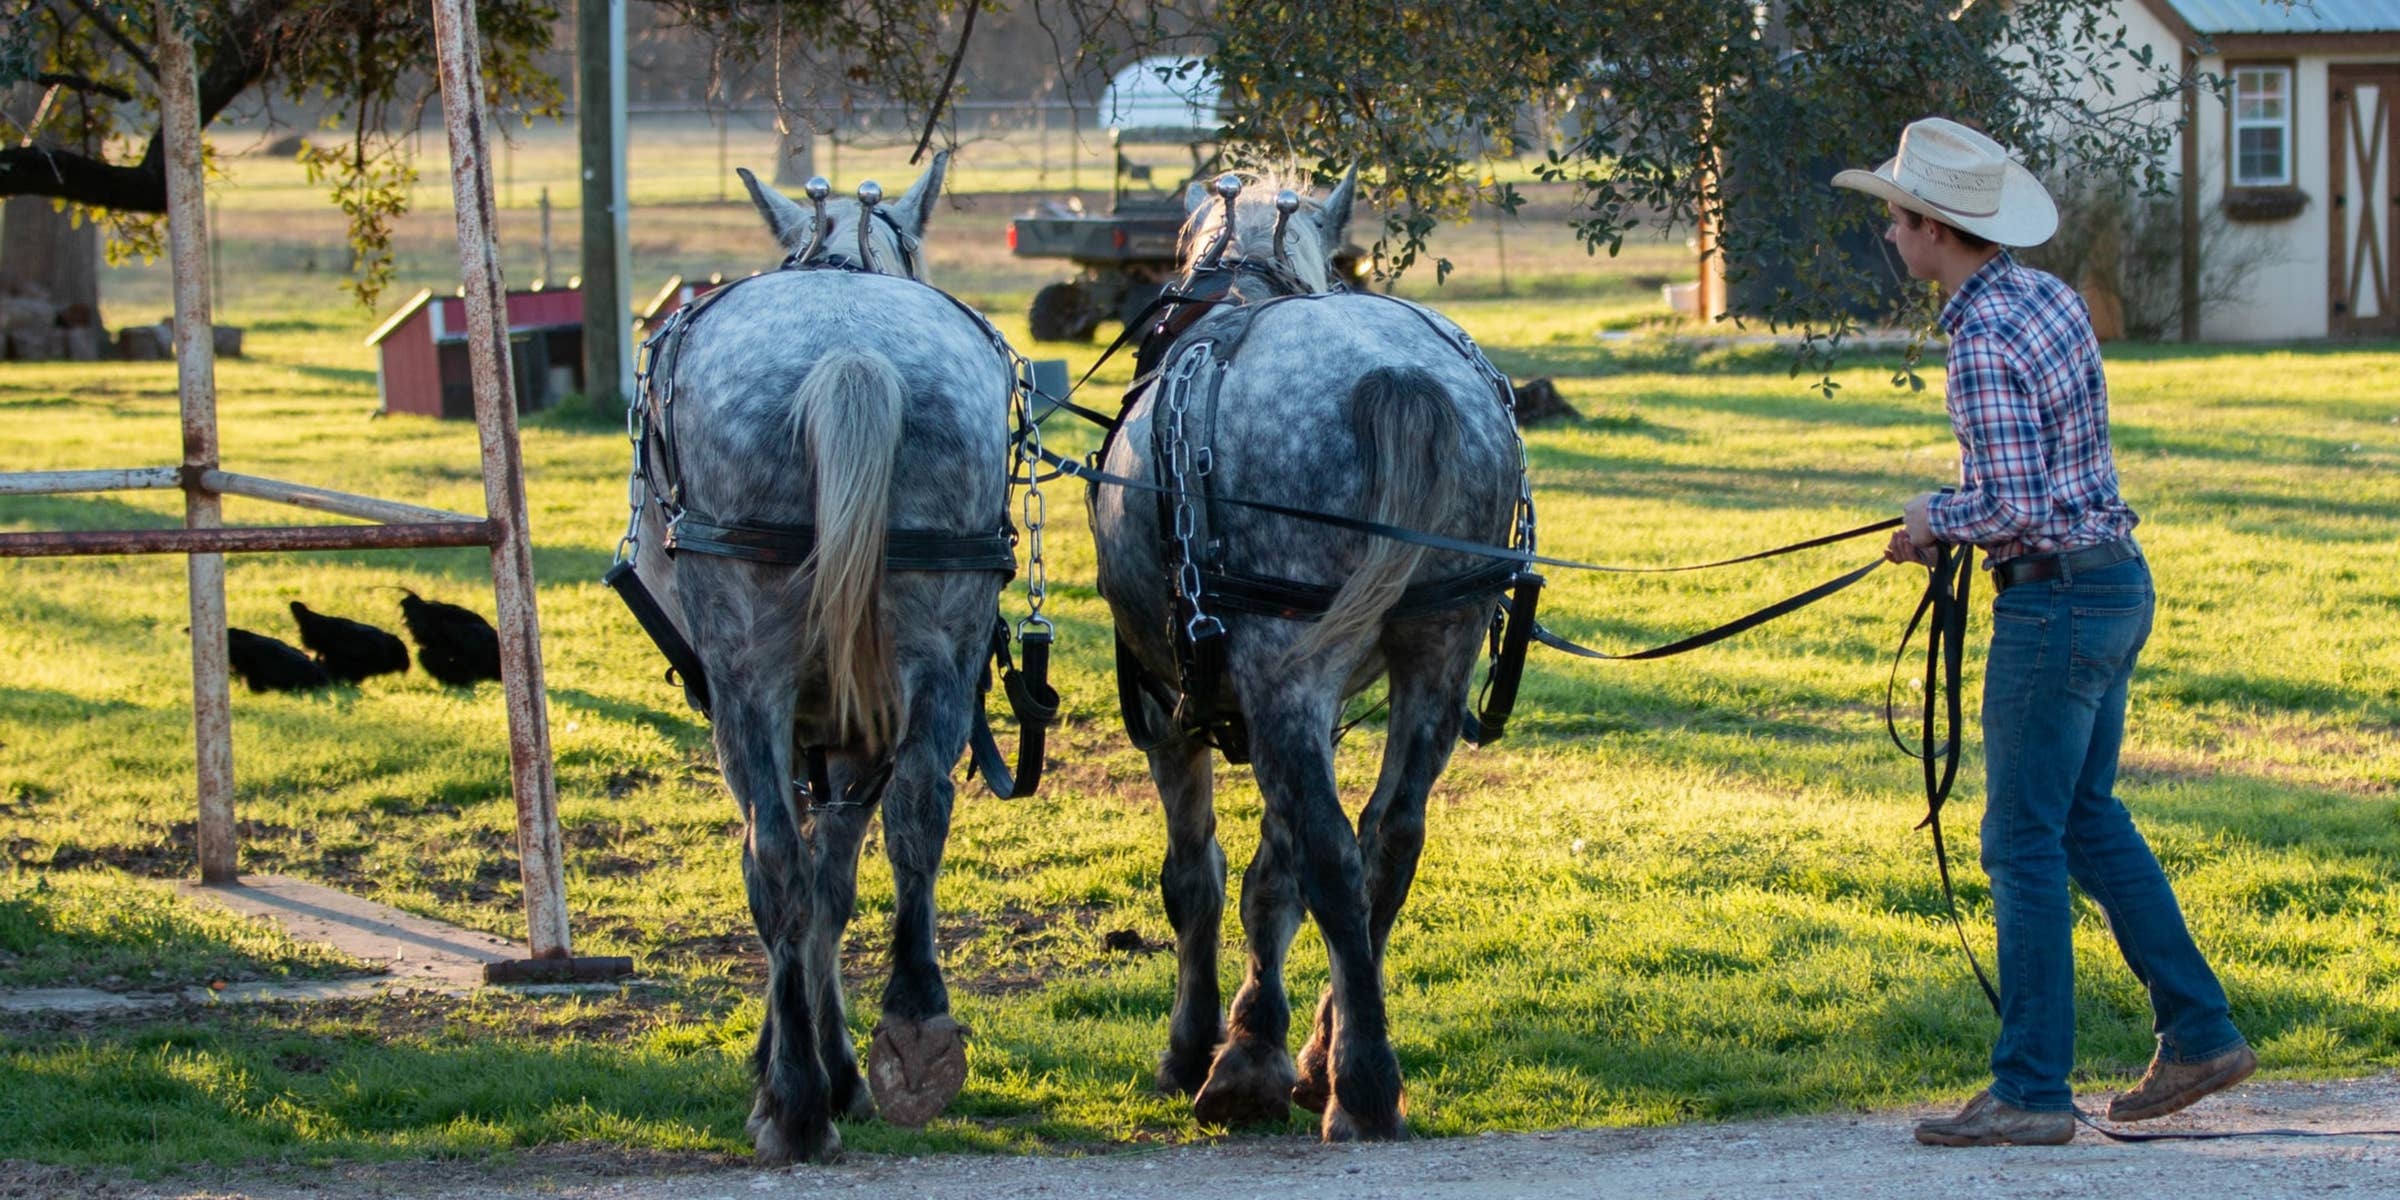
(2034, 568)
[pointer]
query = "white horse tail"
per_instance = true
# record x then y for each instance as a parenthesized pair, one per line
(1408, 434)
(848, 413)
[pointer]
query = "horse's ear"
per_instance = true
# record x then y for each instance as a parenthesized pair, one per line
(1194, 196)
(785, 219)
(913, 207)
(1334, 215)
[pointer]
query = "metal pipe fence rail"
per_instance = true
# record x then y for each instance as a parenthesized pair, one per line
(205, 538)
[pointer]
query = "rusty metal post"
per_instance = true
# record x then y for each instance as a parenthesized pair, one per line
(536, 784)
(196, 378)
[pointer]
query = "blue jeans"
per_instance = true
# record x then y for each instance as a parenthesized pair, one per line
(2053, 720)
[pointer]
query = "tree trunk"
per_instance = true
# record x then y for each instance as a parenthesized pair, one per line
(43, 253)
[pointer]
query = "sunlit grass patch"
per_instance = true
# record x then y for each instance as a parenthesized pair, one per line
(1679, 890)
(107, 929)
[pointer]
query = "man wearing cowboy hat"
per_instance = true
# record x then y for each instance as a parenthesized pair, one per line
(2038, 491)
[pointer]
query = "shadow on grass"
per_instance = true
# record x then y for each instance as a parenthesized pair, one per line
(2249, 447)
(359, 379)
(90, 513)
(677, 724)
(1493, 1033)
(1623, 476)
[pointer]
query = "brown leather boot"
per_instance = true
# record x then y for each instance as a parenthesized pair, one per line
(1988, 1122)
(2169, 1086)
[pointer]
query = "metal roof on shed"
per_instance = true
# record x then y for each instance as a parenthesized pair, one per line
(2301, 16)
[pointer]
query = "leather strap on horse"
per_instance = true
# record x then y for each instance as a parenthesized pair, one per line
(790, 545)
(1035, 704)
(1434, 541)
(683, 663)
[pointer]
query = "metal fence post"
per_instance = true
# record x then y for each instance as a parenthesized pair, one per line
(196, 383)
(531, 769)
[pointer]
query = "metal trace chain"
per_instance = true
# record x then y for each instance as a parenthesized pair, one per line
(637, 483)
(1179, 457)
(1035, 509)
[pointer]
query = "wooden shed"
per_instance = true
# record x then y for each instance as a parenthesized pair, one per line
(2302, 158)
(674, 294)
(421, 365)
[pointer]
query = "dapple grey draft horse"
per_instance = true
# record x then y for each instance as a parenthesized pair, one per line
(1352, 404)
(796, 398)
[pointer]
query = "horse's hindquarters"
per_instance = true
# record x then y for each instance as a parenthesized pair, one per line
(832, 409)
(1351, 406)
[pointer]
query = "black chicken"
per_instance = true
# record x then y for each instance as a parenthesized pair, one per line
(454, 645)
(269, 665)
(349, 650)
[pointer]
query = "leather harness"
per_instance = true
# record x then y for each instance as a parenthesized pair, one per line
(657, 479)
(1202, 324)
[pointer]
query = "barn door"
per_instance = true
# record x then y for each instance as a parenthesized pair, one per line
(2365, 290)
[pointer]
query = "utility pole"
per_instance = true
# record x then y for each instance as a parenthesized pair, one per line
(607, 263)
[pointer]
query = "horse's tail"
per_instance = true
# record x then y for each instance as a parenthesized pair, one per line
(847, 414)
(1408, 431)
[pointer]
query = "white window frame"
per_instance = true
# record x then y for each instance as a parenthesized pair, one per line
(2283, 124)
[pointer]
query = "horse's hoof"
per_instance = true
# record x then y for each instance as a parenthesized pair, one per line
(1250, 1084)
(758, 1118)
(778, 1147)
(917, 1067)
(1315, 1089)
(1342, 1125)
(850, 1099)
(1181, 1074)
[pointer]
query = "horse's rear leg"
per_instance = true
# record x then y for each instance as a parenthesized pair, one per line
(918, 1062)
(791, 1119)
(1251, 1079)
(1294, 760)
(839, 827)
(1192, 883)
(1430, 664)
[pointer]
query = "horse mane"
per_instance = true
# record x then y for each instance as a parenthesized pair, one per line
(1254, 228)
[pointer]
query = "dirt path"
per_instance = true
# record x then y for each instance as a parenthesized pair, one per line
(1866, 1156)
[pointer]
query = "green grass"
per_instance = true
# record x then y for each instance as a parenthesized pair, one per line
(107, 929)
(1680, 890)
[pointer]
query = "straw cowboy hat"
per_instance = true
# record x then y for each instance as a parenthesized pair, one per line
(1960, 177)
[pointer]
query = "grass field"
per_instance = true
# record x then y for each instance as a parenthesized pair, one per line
(1683, 890)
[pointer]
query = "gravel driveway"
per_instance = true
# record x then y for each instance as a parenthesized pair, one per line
(1867, 1156)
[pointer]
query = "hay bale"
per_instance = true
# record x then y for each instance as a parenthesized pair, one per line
(83, 342)
(27, 312)
(144, 343)
(228, 340)
(43, 344)
(1538, 401)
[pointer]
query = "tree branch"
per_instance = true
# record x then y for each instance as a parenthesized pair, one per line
(240, 60)
(43, 171)
(107, 27)
(81, 84)
(934, 113)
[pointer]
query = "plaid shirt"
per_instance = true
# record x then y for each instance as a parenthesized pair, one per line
(2030, 409)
